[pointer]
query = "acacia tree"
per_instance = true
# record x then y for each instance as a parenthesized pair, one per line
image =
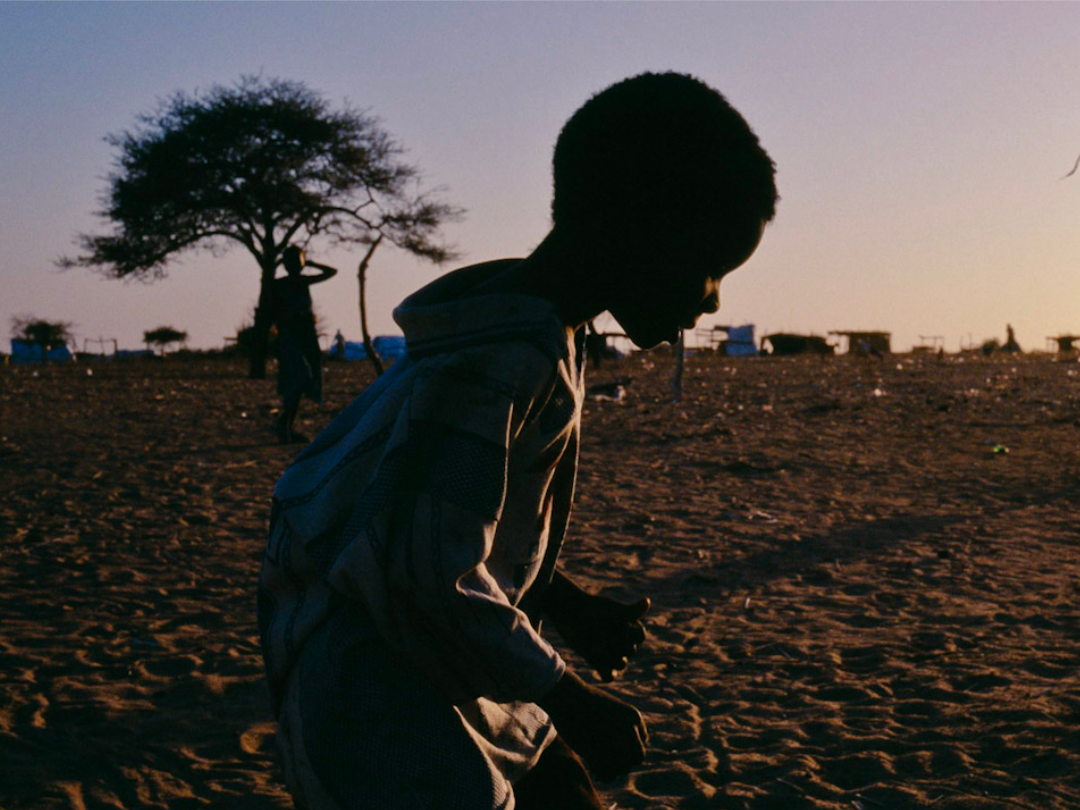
(163, 336)
(264, 163)
(47, 335)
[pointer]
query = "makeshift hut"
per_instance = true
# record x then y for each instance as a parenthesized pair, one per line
(1065, 343)
(781, 343)
(929, 343)
(866, 343)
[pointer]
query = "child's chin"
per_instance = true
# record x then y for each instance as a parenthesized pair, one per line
(651, 341)
(649, 335)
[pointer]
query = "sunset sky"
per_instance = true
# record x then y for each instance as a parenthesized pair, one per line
(919, 147)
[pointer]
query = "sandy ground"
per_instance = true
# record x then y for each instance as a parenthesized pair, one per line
(857, 603)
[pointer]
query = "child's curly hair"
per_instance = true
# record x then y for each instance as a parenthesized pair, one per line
(659, 150)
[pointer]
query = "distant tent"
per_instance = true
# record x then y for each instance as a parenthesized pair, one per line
(782, 343)
(740, 341)
(352, 351)
(733, 341)
(388, 347)
(23, 351)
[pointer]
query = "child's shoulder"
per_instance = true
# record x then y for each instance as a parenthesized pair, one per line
(459, 327)
(518, 369)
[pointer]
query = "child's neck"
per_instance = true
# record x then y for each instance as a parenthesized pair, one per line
(556, 274)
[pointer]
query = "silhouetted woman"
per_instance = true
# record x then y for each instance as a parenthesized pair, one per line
(299, 356)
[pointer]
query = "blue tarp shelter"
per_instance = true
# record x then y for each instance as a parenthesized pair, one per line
(740, 341)
(388, 347)
(23, 351)
(352, 351)
(733, 341)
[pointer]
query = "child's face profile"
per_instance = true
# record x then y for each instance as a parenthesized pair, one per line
(673, 292)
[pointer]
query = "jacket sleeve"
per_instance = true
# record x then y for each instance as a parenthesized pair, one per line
(419, 566)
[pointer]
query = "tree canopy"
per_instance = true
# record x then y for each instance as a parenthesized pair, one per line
(263, 163)
(162, 336)
(39, 332)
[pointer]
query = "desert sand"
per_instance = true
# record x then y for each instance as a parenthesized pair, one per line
(860, 599)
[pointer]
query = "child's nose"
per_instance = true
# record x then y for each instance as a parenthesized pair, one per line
(711, 302)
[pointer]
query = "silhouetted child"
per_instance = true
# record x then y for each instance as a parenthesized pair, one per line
(299, 356)
(413, 545)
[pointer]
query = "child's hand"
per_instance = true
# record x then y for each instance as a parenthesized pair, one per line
(609, 734)
(607, 634)
(604, 632)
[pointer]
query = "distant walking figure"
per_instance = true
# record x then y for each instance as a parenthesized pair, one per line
(338, 351)
(299, 357)
(1010, 340)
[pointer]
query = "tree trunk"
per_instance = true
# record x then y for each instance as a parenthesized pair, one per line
(361, 275)
(260, 333)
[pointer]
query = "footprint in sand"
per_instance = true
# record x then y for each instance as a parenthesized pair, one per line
(855, 772)
(671, 782)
